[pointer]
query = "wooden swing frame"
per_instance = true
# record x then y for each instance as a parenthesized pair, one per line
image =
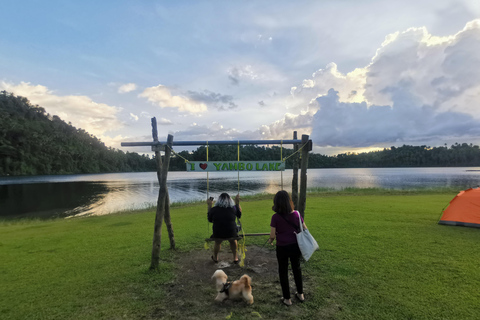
(163, 203)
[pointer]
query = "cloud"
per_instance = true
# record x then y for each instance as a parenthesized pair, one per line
(215, 131)
(129, 87)
(236, 73)
(162, 97)
(418, 87)
(283, 129)
(81, 111)
(134, 117)
(359, 125)
(164, 122)
(212, 99)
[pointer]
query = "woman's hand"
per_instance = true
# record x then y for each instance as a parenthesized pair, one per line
(273, 232)
(209, 202)
(237, 199)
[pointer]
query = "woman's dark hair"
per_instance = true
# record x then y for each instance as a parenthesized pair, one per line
(282, 203)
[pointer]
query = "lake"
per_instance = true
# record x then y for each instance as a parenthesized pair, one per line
(99, 194)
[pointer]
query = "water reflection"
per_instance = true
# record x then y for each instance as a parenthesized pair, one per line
(48, 200)
(81, 195)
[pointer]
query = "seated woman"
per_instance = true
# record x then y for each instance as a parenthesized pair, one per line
(223, 216)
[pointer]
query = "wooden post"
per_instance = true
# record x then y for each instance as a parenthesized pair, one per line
(162, 172)
(302, 199)
(167, 218)
(168, 222)
(295, 173)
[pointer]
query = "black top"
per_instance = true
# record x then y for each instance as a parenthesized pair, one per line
(223, 219)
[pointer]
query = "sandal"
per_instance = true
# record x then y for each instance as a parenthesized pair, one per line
(284, 301)
(297, 295)
(214, 259)
(235, 261)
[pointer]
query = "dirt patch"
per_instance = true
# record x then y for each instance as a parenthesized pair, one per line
(192, 294)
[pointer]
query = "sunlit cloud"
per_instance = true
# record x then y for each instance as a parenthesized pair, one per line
(81, 111)
(129, 87)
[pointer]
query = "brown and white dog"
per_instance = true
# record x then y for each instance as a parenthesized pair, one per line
(233, 290)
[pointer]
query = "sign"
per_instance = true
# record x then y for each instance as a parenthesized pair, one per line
(210, 166)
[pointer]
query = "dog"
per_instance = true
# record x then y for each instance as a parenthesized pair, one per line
(238, 289)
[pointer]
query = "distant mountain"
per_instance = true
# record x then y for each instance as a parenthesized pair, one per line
(33, 142)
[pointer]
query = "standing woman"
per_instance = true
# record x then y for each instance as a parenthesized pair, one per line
(223, 216)
(284, 224)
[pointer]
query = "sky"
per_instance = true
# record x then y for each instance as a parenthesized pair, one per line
(355, 75)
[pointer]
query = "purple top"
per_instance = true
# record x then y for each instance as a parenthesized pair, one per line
(285, 232)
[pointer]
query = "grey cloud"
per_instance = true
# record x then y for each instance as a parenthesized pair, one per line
(212, 99)
(357, 125)
(234, 76)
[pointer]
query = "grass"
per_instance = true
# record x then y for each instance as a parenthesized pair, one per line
(382, 256)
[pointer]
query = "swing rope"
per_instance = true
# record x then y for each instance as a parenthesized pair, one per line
(208, 197)
(241, 248)
(281, 159)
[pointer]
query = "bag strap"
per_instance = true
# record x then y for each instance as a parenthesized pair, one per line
(300, 221)
(294, 226)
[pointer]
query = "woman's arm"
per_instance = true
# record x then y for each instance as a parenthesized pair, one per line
(273, 231)
(209, 204)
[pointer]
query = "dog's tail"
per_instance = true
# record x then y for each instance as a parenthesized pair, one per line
(246, 280)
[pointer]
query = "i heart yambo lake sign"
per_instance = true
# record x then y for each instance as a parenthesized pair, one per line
(235, 166)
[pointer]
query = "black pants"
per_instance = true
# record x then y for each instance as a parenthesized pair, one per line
(283, 254)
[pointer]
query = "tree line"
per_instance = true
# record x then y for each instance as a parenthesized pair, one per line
(457, 155)
(33, 142)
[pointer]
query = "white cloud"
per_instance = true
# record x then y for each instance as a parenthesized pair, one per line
(129, 87)
(236, 73)
(259, 73)
(418, 88)
(134, 116)
(81, 111)
(162, 97)
(164, 121)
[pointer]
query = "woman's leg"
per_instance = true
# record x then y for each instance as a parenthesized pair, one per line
(216, 248)
(282, 258)
(233, 247)
(295, 256)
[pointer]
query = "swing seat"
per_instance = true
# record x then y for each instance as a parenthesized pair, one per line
(239, 236)
(224, 239)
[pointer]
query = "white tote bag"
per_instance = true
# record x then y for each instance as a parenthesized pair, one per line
(306, 242)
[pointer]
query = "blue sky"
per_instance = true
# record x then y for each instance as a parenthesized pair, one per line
(355, 75)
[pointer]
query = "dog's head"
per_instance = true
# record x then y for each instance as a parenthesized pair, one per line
(220, 277)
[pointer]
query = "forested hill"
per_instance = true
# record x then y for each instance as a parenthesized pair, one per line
(33, 142)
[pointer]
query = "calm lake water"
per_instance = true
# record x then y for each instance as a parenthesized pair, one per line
(99, 194)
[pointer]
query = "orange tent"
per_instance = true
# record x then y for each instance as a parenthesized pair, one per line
(463, 210)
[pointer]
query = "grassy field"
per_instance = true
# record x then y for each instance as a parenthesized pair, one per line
(382, 256)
